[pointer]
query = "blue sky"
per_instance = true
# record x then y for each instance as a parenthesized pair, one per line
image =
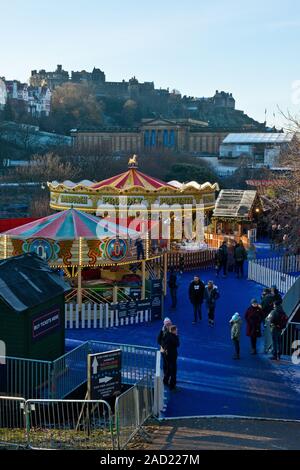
(250, 48)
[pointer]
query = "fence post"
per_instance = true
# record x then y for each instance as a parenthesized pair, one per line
(158, 387)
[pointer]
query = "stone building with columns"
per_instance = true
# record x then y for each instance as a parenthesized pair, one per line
(179, 136)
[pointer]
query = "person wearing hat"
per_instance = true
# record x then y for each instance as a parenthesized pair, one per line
(236, 323)
(161, 340)
(254, 318)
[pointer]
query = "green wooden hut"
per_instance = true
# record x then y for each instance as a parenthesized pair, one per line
(32, 308)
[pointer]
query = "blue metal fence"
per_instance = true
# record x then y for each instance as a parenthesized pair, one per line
(70, 371)
(34, 379)
(25, 378)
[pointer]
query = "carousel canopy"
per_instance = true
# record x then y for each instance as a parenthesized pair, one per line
(133, 179)
(70, 225)
(130, 178)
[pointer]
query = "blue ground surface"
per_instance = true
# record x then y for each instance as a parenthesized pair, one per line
(210, 381)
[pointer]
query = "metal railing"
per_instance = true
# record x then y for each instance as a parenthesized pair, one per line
(289, 336)
(69, 424)
(133, 408)
(70, 371)
(56, 424)
(41, 379)
(13, 422)
(137, 361)
(25, 377)
(159, 403)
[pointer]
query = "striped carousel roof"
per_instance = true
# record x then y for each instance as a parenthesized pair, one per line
(132, 178)
(70, 225)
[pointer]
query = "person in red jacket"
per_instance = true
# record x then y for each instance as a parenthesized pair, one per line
(254, 318)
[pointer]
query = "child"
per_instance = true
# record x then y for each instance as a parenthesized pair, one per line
(236, 323)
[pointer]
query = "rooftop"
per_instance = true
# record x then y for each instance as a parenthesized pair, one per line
(27, 281)
(234, 203)
(259, 138)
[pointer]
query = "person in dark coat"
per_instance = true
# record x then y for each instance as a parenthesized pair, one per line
(211, 294)
(278, 320)
(140, 248)
(254, 318)
(267, 301)
(276, 294)
(173, 286)
(222, 259)
(171, 345)
(161, 340)
(240, 255)
(196, 295)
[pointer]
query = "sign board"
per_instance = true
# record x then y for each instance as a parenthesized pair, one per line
(130, 309)
(45, 323)
(154, 286)
(135, 293)
(104, 374)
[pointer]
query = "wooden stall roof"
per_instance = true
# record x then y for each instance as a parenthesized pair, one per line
(233, 203)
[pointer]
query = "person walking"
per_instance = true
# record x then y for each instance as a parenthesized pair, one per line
(254, 318)
(267, 303)
(278, 320)
(196, 295)
(140, 248)
(236, 323)
(173, 286)
(161, 339)
(240, 256)
(211, 294)
(171, 345)
(222, 259)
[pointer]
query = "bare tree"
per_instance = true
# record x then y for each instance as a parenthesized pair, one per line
(283, 196)
(43, 168)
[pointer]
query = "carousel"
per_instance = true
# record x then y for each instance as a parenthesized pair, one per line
(138, 196)
(102, 259)
(132, 186)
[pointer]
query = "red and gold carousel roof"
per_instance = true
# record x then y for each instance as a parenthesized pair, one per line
(132, 178)
(130, 181)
